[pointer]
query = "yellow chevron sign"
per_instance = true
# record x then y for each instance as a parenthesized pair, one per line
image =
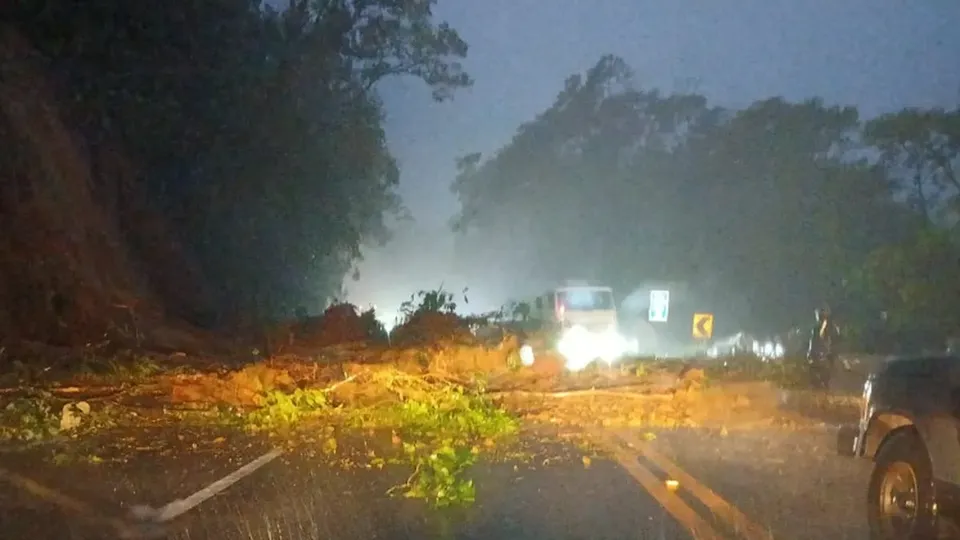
(702, 325)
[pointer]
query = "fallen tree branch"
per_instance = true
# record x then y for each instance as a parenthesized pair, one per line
(446, 378)
(335, 385)
(583, 393)
(88, 393)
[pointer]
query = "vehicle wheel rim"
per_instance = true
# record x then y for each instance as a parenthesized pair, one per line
(899, 500)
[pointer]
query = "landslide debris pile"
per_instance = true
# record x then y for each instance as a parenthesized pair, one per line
(660, 397)
(340, 324)
(430, 317)
(428, 320)
(347, 347)
(420, 407)
(342, 361)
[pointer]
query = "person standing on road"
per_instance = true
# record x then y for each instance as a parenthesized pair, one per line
(821, 352)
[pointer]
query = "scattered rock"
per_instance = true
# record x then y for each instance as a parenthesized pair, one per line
(239, 388)
(71, 416)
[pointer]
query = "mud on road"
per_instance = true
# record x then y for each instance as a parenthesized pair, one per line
(744, 460)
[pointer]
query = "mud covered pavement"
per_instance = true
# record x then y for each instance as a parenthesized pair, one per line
(450, 441)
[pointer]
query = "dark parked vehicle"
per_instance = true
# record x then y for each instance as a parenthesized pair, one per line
(909, 427)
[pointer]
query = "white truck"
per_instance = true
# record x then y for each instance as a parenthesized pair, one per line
(581, 320)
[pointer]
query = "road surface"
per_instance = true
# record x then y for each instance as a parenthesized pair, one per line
(774, 483)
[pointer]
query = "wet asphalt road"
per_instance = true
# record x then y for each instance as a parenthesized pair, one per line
(792, 484)
(776, 483)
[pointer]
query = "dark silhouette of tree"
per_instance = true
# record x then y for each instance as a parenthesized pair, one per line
(922, 147)
(771, 205)
(911, 287)
(257, 133)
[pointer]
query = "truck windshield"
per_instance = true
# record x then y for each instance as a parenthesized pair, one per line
(585, 299)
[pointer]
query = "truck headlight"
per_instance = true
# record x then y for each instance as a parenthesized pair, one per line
(575, 346)
(613, 345)
(526, 355)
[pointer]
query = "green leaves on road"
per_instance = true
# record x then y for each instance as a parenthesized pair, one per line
(439, 430)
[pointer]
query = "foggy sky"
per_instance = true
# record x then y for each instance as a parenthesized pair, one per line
(880, 55)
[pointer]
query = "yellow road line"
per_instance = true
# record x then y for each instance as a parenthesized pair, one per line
(66, 502)
(674, 505)
(728, 513)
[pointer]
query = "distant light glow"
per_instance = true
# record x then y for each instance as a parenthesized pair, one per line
(526, 355)
(768, 349)
(389, 319)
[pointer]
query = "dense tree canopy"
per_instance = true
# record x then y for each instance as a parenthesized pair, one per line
(257, 131)
(770, 210)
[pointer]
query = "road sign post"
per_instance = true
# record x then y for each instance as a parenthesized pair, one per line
(702, 325)
(659, 306)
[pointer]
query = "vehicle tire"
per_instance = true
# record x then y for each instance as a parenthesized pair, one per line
(901, 499)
